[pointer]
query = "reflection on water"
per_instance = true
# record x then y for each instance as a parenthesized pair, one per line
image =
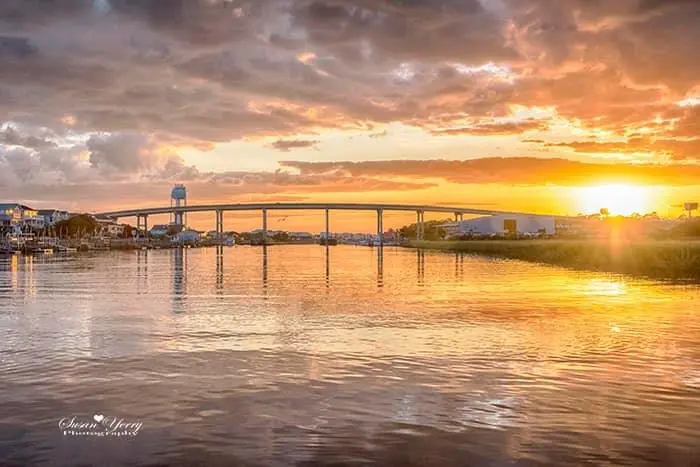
(307, 355)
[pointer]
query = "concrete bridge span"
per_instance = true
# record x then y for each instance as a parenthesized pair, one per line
(142, 214)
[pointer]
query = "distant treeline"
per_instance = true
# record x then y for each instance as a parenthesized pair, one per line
(80, 225)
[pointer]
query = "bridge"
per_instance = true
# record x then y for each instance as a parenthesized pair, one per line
(142, 214)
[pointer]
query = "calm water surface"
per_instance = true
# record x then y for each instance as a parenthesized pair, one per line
(289, 356)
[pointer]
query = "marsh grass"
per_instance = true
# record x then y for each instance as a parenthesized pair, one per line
(672, 259)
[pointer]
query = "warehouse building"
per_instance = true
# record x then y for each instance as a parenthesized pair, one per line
(507, 224)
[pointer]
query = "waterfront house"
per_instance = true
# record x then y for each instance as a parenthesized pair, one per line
(160, 231)
(108, 227)
(17, 211)
(5, 223)
(187, 236)
(34, 222)
(53, 216)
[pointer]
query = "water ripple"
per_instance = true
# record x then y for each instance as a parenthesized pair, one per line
(268, 357)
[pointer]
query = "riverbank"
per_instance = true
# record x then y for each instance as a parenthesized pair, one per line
(672, 260)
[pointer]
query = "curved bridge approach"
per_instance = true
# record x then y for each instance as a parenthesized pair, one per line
(142, 214)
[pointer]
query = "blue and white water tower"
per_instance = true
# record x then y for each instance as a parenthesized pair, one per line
(178, 199)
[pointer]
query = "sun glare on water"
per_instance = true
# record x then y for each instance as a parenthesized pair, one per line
(618, 199)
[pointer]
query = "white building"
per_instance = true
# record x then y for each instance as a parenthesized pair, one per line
(504, 224)
(109, 228)
(187, 236)
(52, 216)
(159, 231)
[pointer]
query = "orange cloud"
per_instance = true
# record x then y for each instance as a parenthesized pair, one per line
(512, 170)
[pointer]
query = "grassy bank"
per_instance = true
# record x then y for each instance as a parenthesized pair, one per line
(673, 260)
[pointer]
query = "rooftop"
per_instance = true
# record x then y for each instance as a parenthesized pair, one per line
(14, 206)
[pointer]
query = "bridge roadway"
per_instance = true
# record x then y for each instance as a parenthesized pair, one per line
(219, 209)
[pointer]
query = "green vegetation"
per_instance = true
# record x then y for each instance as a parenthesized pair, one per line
(689, 229)
(79, 225)
(433, 230)
(672, 259)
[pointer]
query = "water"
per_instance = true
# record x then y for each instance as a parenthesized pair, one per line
(286, 356)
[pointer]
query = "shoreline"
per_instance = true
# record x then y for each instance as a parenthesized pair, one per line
(661, 260)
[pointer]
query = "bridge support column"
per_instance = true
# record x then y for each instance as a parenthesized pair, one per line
(142, 223)
(219, 224)
(420, 225)
(328, 225)
(380, 226)
(264, 226)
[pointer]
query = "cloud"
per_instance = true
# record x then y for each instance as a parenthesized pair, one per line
(288, 145)
(496, 128)
(100, 90)
(512, 170)
(10, 136)
(213, 71)
(680, 149)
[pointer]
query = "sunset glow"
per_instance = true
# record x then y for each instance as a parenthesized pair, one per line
(618, 199)
(317, 100)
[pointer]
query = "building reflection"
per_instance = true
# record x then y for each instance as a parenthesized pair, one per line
(459, 265)
(14, 270)
(264, 270)
(219, 270)
(142, 271)
(380, 267)
(179, 267)
(328, 266)
(420, 257)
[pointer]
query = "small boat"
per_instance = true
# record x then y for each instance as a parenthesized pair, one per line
(46, 251)
(329, 241)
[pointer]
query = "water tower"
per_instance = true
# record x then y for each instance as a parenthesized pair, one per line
(178, 199)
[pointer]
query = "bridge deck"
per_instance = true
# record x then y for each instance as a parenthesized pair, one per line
(313, 206)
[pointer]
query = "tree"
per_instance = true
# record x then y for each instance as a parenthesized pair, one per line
(77, 225)
(433, 230)
(281, 237)
(127, 232)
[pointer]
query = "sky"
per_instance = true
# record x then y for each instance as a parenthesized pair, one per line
(542, 106)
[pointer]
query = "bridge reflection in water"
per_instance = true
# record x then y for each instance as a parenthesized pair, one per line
(178, 261)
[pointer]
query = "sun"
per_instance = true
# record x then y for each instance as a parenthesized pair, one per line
(619, 199)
